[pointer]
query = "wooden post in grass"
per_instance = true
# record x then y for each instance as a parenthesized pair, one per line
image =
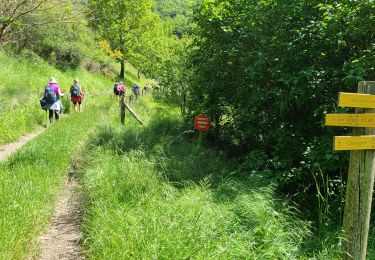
(202, 123)
(134, 114)
(359, 190)
(122, 109)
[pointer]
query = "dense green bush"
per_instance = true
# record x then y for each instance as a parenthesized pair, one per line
(268, 71)
(57, 32)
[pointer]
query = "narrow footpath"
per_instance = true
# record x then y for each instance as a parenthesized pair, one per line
(8, 149)
(62, 241)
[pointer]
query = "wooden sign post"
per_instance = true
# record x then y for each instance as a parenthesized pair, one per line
(353, 120)
(202, 123)
(122, 109)
(361, 168)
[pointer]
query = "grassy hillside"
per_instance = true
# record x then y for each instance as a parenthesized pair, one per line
(22, 81)
(32, 177)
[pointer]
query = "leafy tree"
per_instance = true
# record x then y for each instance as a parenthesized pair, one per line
(267, 71)
(11, 11)
(176, 15)
(121, 23)
(56, 31)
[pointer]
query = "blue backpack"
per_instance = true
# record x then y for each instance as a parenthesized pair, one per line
(50, 95)
(76, 92)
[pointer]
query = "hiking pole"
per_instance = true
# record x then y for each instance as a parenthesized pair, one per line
(46, 118)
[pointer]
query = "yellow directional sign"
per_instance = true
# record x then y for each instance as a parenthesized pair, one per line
(363, 142)
(353, 120)
(356, 100)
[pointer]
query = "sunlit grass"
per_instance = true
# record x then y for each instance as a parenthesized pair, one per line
(22, 80)
(31, 178)
(153, 194)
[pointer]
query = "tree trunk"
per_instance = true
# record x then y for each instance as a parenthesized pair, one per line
(3, 30)
(183, 99)
(122, 71)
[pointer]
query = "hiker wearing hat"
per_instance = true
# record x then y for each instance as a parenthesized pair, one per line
(52, 101)
(76, 95)
(121, 89)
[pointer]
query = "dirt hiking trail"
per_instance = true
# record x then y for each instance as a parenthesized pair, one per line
(8, 149)
(62, 241)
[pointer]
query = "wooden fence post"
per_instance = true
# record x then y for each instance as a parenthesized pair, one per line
(359, 191)
(122, 109)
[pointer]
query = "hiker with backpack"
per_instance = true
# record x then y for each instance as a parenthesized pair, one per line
(136, 90)
(119, 89)
(115, 91)
(146, 89)
(76, 95)
(51, 100)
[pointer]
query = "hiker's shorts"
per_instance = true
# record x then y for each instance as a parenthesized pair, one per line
(76, 100)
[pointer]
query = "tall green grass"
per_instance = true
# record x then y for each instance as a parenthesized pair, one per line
(153, 194)
(31, 178)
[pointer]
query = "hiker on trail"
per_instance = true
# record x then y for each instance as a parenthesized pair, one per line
(115, 91)
(136, 90)
(52, 101)
(146, 88)
(119, 89)
(76, 95)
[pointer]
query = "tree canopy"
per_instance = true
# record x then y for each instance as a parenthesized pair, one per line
(122, 23)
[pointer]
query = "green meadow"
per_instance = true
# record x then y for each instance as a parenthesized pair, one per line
(23, 78)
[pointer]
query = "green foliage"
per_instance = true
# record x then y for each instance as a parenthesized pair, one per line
(268, 71)
(176, 15)
(10, 14)
(57, 32)
(115, 22)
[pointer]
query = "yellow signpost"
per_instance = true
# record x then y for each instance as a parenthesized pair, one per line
(361, 175)
(351, 143)
(356, 100)
(353, 120)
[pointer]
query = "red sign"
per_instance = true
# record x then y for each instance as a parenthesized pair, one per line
(202, 122)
